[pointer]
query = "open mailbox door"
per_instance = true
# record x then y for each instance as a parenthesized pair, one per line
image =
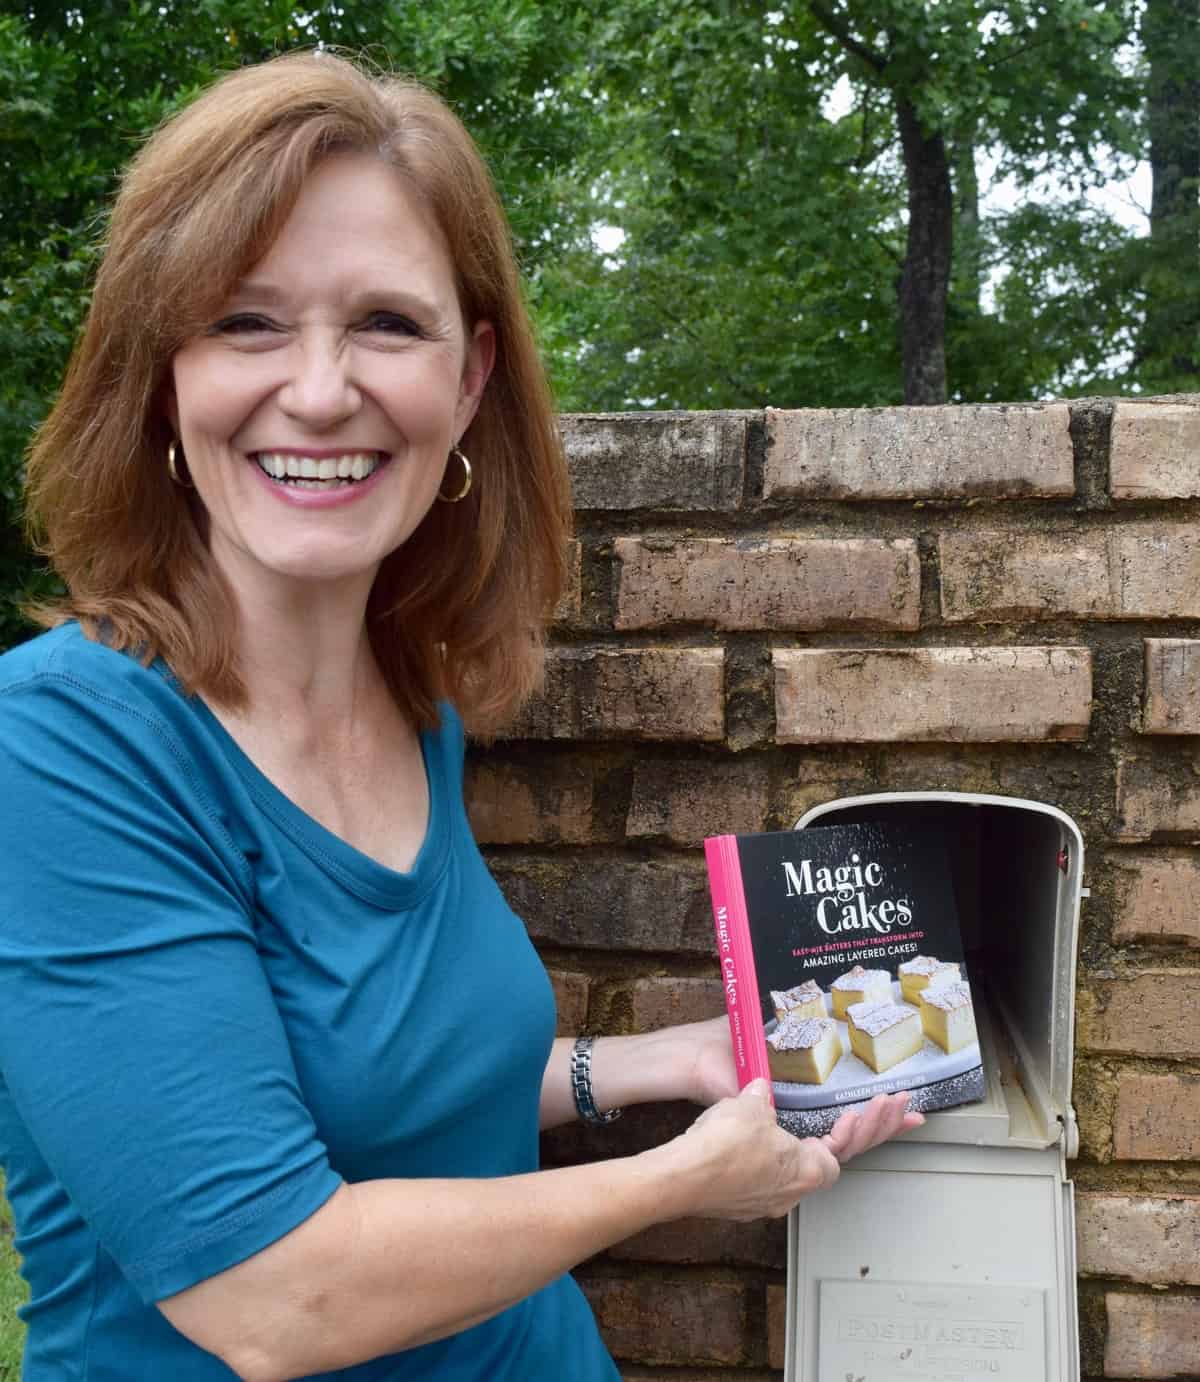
(950, 1256)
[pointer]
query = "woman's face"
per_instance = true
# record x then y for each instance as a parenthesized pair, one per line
(344, 354)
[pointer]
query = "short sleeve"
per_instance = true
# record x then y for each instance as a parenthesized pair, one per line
(139, 1039)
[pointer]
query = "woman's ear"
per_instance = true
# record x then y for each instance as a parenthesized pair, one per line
(477, 369)
(168, 402)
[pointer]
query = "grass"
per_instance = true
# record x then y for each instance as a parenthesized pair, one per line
(12, 1294)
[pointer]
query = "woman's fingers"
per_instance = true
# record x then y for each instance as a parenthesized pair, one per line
(860, 1129)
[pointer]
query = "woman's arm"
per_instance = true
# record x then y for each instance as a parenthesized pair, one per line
(693, 1062)
(387, 1265)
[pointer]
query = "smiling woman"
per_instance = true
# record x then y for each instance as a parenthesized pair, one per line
(304, 488)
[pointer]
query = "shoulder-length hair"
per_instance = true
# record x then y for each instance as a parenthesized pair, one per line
(458, 611)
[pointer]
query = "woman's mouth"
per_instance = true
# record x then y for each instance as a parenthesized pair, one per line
(319, 472)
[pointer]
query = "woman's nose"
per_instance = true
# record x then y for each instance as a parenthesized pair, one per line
(319, 389)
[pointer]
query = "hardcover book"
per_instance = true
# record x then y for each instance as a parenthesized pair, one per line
(843, 968)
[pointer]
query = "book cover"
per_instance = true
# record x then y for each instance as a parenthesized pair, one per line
(843, 968)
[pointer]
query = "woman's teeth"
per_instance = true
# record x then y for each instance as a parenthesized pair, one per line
(309, 472)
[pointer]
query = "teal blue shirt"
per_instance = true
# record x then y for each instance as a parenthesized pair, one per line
(213, 1011)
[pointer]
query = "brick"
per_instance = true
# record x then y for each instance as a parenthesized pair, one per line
(1155, 451)
(570, 602)
(631, 1372)
(1144, 1238)
(628, 693)
(1158, 797)
(674, 1321)
(768, 583)
(959, 695)
(1137, 571)
(1157, 1117)
(912, 453)
(607, 904)
(1172, 690)
(1156, 900)
(668, 1001)
(531, 802)
(776, 1325)
(671, 462)
(571, 1000)
(1152, 1336)
(1151, 1014)
(690, 1241)
(682, 801)
(642, 1126)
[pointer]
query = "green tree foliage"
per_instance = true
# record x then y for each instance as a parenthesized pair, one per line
(767, 246)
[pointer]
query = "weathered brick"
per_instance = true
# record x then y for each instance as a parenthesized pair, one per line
(769, 583)
(1172, 690)
(673, 462)
(962, 695)
(1144, 1238)
(611, 904)
(1137, 571)
(642, 1126)
(912, 453)
(631, 1372)
(817, 777)
(1155, 450)
(776, 1325)
(628, 693)
(571, 1000)
(1156, 900)
(1158, 797)
(762, 1243)
(570, 602)
(667, 1001)
(683, 801)
(673, 1321)
(1152, 1336)
(1157, 1117)
(1150, 1014)
(531, 803)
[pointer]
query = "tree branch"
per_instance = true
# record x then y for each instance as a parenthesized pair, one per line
(834, 24)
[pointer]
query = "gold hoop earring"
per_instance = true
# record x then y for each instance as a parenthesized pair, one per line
(173, 451)
(465, 488)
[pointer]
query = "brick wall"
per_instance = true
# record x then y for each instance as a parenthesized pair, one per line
(772, 610)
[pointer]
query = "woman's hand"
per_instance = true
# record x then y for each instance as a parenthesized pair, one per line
(736, 1162)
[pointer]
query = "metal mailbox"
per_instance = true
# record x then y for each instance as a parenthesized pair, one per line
(949, 1256)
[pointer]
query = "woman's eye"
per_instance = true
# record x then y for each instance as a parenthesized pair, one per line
(392, 324)
(240, 324)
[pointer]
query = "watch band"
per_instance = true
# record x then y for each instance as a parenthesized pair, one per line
(581, 1083)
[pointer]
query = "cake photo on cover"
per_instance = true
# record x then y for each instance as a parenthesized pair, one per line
(844, 969)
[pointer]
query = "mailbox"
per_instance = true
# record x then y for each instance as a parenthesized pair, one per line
(949, 1256)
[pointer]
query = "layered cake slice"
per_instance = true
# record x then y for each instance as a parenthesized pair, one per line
(805, 1000)
(948, 1016)
(804, 1049)
(921, 971)
(860, 985)
(884, 1034)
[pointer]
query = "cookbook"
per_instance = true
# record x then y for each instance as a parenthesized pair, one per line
(843, 968)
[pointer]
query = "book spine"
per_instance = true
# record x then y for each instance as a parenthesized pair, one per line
(735, 953)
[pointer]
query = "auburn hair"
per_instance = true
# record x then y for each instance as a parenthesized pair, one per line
(457, 612)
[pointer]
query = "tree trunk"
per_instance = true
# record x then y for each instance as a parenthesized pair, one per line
(925, 278)
(1171, 335)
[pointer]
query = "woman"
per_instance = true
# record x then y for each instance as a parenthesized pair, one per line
(275, 1053)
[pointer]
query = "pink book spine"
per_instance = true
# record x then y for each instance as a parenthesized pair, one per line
(736, 956)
